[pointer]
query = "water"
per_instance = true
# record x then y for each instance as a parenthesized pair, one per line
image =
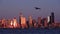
(30, 31)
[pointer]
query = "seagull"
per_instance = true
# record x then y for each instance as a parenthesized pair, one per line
(37, 8)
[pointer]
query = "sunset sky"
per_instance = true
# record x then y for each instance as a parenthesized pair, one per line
(12, 8)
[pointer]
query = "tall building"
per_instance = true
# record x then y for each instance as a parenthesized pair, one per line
(42, 21)
(14, 22)
(8, 21)
(52, 17)
(35, 24)
(23, 22)
(20, 15)
(11, 23)
(45, 22)
(49, 19)
(30, 21)
(27, 22)
(3, 22)
(39, 22)
(0, 23)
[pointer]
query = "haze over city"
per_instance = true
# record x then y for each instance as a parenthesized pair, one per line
(11, 8)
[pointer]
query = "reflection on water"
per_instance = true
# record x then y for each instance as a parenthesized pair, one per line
(30, 31)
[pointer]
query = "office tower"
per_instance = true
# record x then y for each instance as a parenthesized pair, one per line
(42, 21)
(20, 21)
(0, 23)
(39, 22)
(20, 15)
(48, 19)
(23, 22)
(8, 21)
(45, 22)
(35, 23)
(30, 21)
(27, 22)
(52, 17)
(3, 22)
(14, 22)
(11, 23)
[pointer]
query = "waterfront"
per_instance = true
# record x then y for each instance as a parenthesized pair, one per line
(29, 31)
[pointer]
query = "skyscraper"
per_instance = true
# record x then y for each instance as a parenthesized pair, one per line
(14, 22)
(34, 23)
(23, 22)
(39, 21)
(30, 21)
(49, 19)
(27, 22)
(0, 23)
(3, 22)
(42, 21)
(20, 15)
(45, 22)
(52, 17)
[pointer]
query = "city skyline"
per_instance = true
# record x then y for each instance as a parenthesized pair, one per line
(30, 16)
(11, 8)
(46, 22)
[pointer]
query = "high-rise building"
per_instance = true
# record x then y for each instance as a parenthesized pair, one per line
(48, 19)
(35, 24)
(23, 22)
(3, 22)
(27, 22)
(30, 21)
(42, 21)
(0, 23)
(39, 22)
(14, 22)
(52, 17)
(8, 21)
(45, 22)
(11, 23)
(20, 15)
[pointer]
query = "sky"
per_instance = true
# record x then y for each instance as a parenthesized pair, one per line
(12, 8)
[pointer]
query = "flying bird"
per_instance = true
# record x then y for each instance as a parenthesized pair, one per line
(37, 8)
